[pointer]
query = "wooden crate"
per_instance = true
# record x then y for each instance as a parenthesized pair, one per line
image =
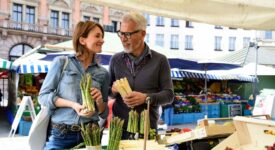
(205, 131)
(251, 133)
(138, 145)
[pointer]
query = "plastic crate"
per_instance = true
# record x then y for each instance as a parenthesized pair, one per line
(188, 118)
(247, 113)
(167, 115)
(24, 127)
(212, 110)
(198, 116)
(177, 119)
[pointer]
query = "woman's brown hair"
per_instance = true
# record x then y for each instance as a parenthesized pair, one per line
(82, 29)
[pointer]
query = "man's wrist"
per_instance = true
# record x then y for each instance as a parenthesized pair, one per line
(147, 99)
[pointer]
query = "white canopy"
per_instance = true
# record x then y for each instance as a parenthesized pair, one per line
(248, 69)
(248, 14)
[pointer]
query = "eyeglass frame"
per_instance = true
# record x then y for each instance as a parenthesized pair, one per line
(126, 34)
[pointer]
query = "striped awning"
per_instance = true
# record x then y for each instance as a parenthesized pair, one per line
(176, 74)
(34, 67)
(5, 64)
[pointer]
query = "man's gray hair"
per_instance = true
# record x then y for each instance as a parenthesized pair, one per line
(137, 18)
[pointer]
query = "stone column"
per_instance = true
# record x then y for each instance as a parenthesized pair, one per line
(76, 13)
(4, 9)
(106, 18)
(43, 13)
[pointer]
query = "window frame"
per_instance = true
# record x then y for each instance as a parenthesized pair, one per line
(188, 43)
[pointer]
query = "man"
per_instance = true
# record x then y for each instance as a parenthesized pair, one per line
(147, 71)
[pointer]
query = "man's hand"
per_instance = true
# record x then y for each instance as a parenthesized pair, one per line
(114, 90)
(134, 99)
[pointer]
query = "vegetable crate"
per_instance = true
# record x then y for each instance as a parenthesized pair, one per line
(138, 145)
(24, 127)
(203, 132)
(251, 133)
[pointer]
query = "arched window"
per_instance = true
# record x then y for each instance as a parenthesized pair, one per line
(18, 50)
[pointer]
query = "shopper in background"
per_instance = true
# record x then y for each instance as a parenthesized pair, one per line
(66, 102)
(147, 71)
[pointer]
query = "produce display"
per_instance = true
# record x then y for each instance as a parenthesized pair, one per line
(91, 134)
(186, 104)
(272, 147)
(132, 126)
(115, 133)
(85, 85)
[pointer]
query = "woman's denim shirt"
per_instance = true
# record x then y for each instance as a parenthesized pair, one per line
(68, 85)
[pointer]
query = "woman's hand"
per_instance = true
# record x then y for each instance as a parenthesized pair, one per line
(82, 111)
(97, 96)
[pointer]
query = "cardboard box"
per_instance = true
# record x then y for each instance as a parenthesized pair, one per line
(251, 133)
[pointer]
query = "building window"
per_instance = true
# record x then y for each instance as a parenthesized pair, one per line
(189, 42)
(30, 15)
(18, 50)
(218, 42)
(86, 18)
(246, 41)
(218, 27)
(160, 21)
(268, 35)
(175, 23)
(147, 38)
(147, 17)
(17, 13)
(65, 20)
(114, 24)
(54, 19)
(232, 43)
(189, 24)
(160, 39)
(174, 43)
(95, 19)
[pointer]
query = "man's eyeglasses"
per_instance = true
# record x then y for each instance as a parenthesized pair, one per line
(126, 34)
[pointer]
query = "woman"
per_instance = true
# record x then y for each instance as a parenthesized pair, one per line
(61, 89)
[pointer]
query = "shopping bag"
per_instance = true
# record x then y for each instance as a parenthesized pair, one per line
(38, 131)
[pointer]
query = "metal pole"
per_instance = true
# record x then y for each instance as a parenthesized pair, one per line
(205, 90)
(255, 87)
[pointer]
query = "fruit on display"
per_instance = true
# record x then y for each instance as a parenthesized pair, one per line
(270, 132)
(272, 147)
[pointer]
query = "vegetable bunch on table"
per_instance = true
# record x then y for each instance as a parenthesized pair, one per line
(85, 85)
(115, 133)
(91, 134)
(133, 118)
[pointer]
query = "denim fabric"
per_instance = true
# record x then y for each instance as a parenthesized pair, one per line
(69, 88)
(59, 139)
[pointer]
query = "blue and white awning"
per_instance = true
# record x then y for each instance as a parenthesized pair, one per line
(176, 74)
(34, 67)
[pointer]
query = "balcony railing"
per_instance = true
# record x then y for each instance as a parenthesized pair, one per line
(34, 28)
